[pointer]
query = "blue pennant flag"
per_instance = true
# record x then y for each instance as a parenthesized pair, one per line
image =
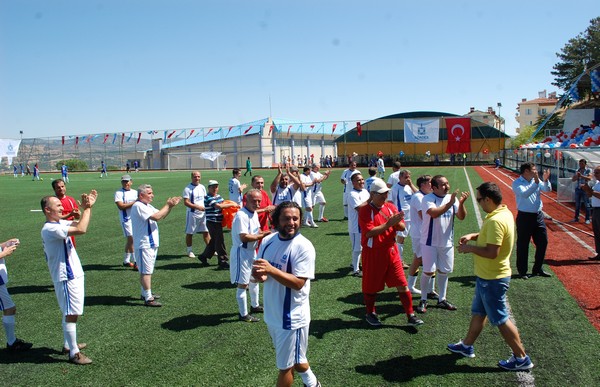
(573, 93)
(595, 77)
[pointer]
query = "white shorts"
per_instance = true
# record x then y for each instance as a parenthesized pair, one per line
(319, 198)
(146, 258)
(127, 229)
(5, 301)
(240, 266)
(70, 295)
(355, 240)
(195, 224)
(441, 258)
(290, 346)
(307, 199)
(416, 246)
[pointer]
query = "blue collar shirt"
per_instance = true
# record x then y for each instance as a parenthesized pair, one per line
(528, 195)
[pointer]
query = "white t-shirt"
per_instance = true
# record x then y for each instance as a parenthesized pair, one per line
(595, 201)
(347, 176)
(145, 230)
(196, 195)
(380, 165)
(244, 222)
(438, 232)
(284, 307)
(307, 181)
(61, 257)
(234, 190)
(316, 188)
(355, 199)
(126, 196)
(416, 203)
(283, 194)
(401, 196)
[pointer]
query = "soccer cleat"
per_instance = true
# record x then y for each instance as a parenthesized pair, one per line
(249, 318)
(422, 308)
(203, 261)
(80, 346)
(154, 296)
(515, 364)
(135, 267)
(461, 349)
(357, 274)
(314, 225)
(257, 309)
(80, 359)
(223, 264)
(152, 303)
(324, 220)
(373, 319)
(433, 295)
(127, 264)
(191, 254)
(18, 345)
(444, 304)
(413, 321)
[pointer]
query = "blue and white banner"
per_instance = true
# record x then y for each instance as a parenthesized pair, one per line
(595, 79)
(422, 131)
(9, 149)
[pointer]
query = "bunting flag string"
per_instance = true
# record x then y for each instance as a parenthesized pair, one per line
(209, 130)
(139, 137)
(322, 127)
(191, 132)
(63, 140)
(595, 79)
(171, 134)
(289, 127)
(122, 138)
(312, 127)
(130, 135)
(114, 138)
(247, 130)
(218, 131)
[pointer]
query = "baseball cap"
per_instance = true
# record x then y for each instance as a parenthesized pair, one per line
(212, 182)
(125, 178)
(379, 186)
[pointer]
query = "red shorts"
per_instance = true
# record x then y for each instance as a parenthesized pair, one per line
(381, 268)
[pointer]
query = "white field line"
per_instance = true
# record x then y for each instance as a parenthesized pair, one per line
(474, 201)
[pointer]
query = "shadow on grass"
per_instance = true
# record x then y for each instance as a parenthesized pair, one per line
(193, 321)
(180, 266)
(210, 285)
(112, 300)
(337, 234)
(465, 281)
(318, 328)
(31, 289)
(339, 273)
(172, 256)
(36, 355)
(405, 368)
(101, 267)
(571, 262)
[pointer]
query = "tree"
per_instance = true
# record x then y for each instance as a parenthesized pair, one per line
(579, 54)
(523, 137)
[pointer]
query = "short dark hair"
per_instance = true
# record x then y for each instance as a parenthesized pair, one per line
(256, 177)
(490, 190)
(235, 171)
(372, 171)
(307, 168)
(44, 202)
(423, 179)
(583, 160)
(55, 182)
(397, 165)
(352, 179)
(526, 167)
(434, 180)
(279, 209)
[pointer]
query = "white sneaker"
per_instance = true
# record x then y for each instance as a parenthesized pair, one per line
(307, 225)
(314, 225)
(414, 290)
(191, 254)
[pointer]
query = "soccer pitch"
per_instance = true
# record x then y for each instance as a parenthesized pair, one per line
(196, 338)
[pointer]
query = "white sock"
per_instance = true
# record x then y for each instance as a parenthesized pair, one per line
(412, 281)
(70, 332)
(424, 285)
(355, 260)
(147, 294)
(401, 250)
(189, 249)
(241, 300)
(442, 285)
(9, 327)
(432, 285)
(66, 342)
(321, 211)
(254, 293)
(127, 258)
(308, 378)
(345, 210)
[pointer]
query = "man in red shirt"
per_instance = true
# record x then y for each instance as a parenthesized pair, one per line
(70, 207)
(378, 221)
(266, 207)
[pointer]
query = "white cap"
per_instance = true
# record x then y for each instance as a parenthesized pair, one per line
(379, 186)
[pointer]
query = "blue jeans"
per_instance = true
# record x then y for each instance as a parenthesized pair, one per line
(581, 198)
(490, 300)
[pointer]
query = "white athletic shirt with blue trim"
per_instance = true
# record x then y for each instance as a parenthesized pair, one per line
(61, 257)
(196, 194)
(126, 196)
(283, 194)
(416, 203)
(438, 232)
(401, 196)
(145, 230)
(244, 222)
(355, 199)
(286, 308)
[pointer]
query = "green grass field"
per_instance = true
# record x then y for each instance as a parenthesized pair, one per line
(195, 338)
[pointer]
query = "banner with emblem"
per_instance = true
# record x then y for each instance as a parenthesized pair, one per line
(422, 131)
(9, 149)
(459, 135)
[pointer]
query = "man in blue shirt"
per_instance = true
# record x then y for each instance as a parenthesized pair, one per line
(530, 218)
(582, 176)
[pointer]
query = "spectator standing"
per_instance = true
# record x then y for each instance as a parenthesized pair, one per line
(594, 193)
(581, 177)
(248, 167)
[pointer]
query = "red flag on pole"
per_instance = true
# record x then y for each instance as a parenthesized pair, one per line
(459, 135)
(170, 134)
(122, 138)
(63, 140)
(76, 140)
(231, 127)
(270, 129)
(191, 132)
(359, 128)
(105, 138)
(333, 128)
(289, 127)
(247, 130)
(209, 130)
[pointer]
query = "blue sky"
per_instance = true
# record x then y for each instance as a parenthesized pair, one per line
(75, 67)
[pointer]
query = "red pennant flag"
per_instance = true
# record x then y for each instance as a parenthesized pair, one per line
(171, 134)
(333, 128)
(76, 140)
(359, 128)
(231, 127)
(459, 135)
(209, 130)
(191, 132)
(312, 127)
(270, 129)
(289, 127)
(105, 138)
(247, 130)
(122, 138)
(63, 140)
(139, 137)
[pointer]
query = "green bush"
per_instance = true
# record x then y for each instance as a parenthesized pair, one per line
(73, 165)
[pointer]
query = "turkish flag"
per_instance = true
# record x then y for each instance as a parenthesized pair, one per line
(359, 128)
(459, 135)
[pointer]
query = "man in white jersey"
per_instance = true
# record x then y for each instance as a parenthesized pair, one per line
(298, 193)
(124, 199)
(437, 237)
(318, 197)
(7, 306)
(307, 197)
(145, 237)
(286, 264)
(416, 216)
(284, 186)
(65, 267)
(394, 176)
(380, 166)
(245, 235)
(401, 195)
(358, 197)
(235, 187)
(193, 199)
(345, 180)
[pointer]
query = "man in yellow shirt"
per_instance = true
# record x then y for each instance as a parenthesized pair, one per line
(491, 256)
